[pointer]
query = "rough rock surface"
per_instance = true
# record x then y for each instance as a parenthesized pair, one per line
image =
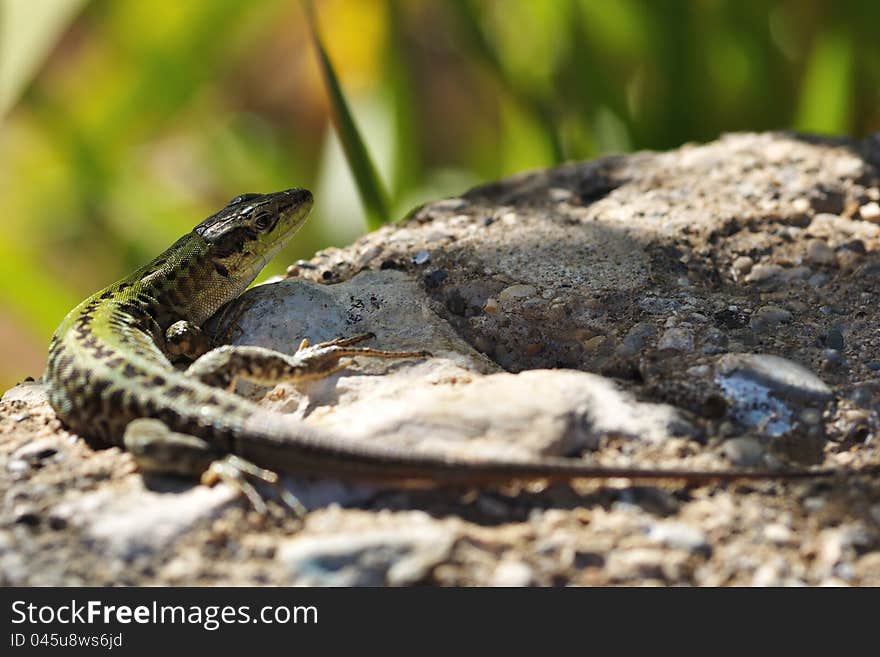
(709, 307)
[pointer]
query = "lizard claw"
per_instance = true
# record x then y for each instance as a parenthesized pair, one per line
(234, 472)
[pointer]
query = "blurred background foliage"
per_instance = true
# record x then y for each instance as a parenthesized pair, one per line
(124, 122)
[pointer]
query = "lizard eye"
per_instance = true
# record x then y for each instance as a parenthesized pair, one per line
(263, 221)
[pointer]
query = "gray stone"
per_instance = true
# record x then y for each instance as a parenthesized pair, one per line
(37, 451)
(780, 375)
(744, 452)
(30, 392)
(513, 573)
(637, 335)
(397, 556)
(677, 338)
(679, 536)
(765, 392)
(131, 521)
(763, 273)
(833, 338)
(743, 265)
(279, 315)
(819, 253)
(517, 292)
(573, 411)
(767, 317)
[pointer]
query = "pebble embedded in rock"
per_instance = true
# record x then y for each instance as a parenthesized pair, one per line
(866, 393)
(848, 260)
(764, 391)
(679, 536)
(782, 376)
(818, 279)
(517, 292)
(767, 317)
(762, 273)
(435, 278)
(715, 341)
(37, 451)
(635, 338)
(513, 573)
(743, 452)
(810, 416)
(819, 253)
(832, 359)
(396, 556)
(832, 338)
(777, 533)
(870, 212)
(678, 339)
(743, 265)
(636, 563)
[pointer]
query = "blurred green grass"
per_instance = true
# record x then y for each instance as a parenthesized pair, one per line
(125, 123)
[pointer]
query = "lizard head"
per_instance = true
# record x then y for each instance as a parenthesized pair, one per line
(242, 238)
(252, 228)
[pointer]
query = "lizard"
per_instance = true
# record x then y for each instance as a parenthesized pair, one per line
(111, 376)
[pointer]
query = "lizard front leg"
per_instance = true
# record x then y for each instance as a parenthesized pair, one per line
(186, 340)
(221, 367)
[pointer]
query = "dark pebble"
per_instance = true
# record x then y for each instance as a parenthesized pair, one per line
(864, 394)
(828, 201)
(857, 246)
(391, 263)
(57, 523)
(455, 302)
(833, 359)
(731, 319)
(832, 338)
(28, 518)
(435, 279)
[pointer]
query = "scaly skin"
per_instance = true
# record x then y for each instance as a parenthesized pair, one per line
(110, 364)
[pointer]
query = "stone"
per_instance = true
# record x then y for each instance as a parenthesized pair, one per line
(513, 573)
(782, 376)
(767, 317)
(870, 212)
(744, 452)
(763, 272)
(819, 253)
(137, 522)
(637, 335)
(677, 338)
(743, 265)
(573, 412)
(766, 392)
(517, 292)
(382, 556)
(679, 536)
